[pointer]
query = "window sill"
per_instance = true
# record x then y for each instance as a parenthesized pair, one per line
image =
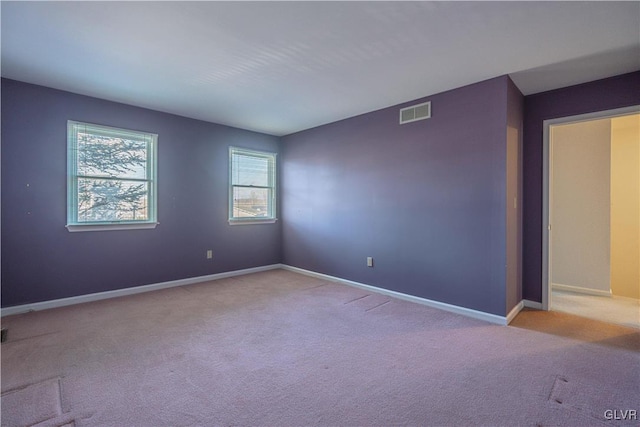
(252, 221)
(111, 227)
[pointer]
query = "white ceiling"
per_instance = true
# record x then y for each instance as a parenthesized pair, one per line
(281, 67)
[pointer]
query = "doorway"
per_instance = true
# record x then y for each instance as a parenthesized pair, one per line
(591, 202)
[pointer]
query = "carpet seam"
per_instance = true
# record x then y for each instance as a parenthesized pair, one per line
(379, 305)
(357, 299)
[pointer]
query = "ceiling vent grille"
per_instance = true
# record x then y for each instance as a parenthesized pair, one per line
(415, 113)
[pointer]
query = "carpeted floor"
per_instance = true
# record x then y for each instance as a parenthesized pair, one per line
(611, 309)
(282, 349)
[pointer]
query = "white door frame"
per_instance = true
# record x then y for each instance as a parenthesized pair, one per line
(546, 179)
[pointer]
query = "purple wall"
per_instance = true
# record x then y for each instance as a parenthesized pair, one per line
(615, 92)
(42, 261)
(426, 200)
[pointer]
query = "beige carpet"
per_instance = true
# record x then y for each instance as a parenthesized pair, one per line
(578, 328)
(614, 309)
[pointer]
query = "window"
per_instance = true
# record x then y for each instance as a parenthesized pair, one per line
(111, 178)
(252, 190)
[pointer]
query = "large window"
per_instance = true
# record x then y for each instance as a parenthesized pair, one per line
(252, 191)
(111, 178)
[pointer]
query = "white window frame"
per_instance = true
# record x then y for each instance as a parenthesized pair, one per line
(73, 225)
(272, 158)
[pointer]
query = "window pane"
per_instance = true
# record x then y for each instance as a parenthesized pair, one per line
(110, 156)
(250, 170)
(112, 200)
(251, 202)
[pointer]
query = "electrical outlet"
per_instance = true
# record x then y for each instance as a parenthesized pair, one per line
(369, 261)
(209, 254)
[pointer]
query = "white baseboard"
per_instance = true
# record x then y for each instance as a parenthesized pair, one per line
(17, 309)
(532, 304)
(514, 311)
(481, 315)
(580, 290)
(492, 318)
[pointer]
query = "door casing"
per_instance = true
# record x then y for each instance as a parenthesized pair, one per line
(546, 179)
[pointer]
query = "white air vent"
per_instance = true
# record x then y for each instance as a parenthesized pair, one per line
(415, 112)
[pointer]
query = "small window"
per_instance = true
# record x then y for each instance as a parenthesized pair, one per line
(252, 190)
(111, 178)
